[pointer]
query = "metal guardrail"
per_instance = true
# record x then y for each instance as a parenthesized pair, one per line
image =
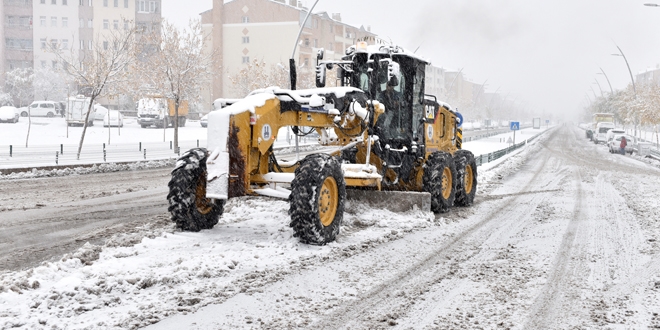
(489, 157)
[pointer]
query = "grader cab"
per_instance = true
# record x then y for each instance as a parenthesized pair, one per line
(384, 132)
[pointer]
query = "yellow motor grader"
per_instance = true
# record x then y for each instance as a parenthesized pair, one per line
(386, 134)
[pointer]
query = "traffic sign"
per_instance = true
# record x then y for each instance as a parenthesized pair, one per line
(514, 125)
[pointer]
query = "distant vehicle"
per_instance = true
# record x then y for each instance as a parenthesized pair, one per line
(610, 134)
(160, 112)
(8, 114)
(100, 112)
(77, 111)
(504, 123)
(476, 125)
(598, 118)
(615, 143)
(42, 109)
(468, 126)
(113, 118)
(204, 121)
(600, 134)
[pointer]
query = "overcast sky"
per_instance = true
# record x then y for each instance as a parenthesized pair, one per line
(544, 54)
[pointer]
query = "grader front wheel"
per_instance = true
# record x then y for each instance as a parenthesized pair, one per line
(317, 199)
(189, 207)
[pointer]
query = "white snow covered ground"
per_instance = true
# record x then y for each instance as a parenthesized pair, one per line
(124, 285)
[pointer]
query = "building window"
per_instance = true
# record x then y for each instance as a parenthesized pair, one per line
(105, 45)
(90, 23)
(53, 43)
(43, 2)
(306, 43)
(330, 46)
(153, 8)
(106, 24)
(89, 3)
(82, 22)
(246, 40)
(82, 44)
(65, 22)
(53, 21)
(90, 45)
(54, 2)
(332, 28)
(316, 43)
(116, 3)
(65, 3)
(82, 3)
(43, 20)
(43, 43)
(65, 43)
(142, 6)
(245, 19)
(315, 23)
(115, 24)
(306, 62)
(125, 3)
(125, 25)
(105, 3)
(246, 59)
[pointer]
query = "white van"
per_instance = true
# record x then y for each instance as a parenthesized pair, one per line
(43, 109)
(600, 135)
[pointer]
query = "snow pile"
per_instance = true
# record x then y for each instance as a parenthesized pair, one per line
(102, 168)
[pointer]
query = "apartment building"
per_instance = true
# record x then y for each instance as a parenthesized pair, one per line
(648, 76)
(29, 27)
(16, 23)
(435, 82)
(266, 30)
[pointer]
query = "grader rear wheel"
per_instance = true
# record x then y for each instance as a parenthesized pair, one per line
(466, 183)
(439, 179)
(189, 207)
(317, 199)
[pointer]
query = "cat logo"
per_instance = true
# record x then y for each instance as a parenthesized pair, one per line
(430, 112)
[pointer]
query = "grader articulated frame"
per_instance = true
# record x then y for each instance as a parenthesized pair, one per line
(388, 136)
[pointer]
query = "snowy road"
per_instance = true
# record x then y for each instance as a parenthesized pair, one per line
(567, 240)
(563, 235)
(48, 217)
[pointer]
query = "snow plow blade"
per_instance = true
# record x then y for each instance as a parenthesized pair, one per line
(395, 201)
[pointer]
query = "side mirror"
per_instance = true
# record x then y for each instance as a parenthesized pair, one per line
(320, 76)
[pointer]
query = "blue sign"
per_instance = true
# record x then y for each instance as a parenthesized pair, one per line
(514, 125)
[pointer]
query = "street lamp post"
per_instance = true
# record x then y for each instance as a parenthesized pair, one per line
(608, 79)
(631, 79)
(601, 90)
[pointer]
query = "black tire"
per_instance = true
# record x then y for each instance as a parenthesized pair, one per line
(189, 207)
(439, 177)
(50, 115)
(24, 114)
(316, 222)
(143, 126)
(466, 177)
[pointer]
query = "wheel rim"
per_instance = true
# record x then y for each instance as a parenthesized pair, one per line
(328, 198)
(203, 204)
(446, 183)
(469, 177)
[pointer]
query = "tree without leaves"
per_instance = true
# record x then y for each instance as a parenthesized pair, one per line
(177, 67)
(104, 65)
(19, 83)
(257, 75)
(49, 85)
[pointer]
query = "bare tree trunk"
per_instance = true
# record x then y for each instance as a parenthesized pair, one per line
(29, 126)
(176, 124)
(82, 137)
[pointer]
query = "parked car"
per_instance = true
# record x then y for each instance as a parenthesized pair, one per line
(8, 114)
(99, 112)
(611, 133)
(204, 120)
(42, 109)
(113, 118)
(615, 143)
(601, 132)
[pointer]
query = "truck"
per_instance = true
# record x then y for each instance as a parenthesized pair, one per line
(160, 112)
(599, 117)
(76, 111)
(382, 137)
